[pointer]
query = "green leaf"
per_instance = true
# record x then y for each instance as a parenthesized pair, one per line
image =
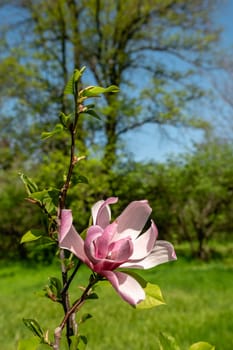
(53, 289)
(77, 179)
(70, 86)
(83, 234)
(92, 113)
(30, 236)
(30, 186)
(34, 327)
(74, 342)
(93, 91)
(167, 342)
(46, 198)
(78, 342)
(28, 344)
(153, 292)
(92, 296)
(153, 297)
(82, 344)
(65, 119)
(57, 130)
(202, 346)
(85, 317)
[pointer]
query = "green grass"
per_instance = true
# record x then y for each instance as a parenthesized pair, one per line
(199, 307)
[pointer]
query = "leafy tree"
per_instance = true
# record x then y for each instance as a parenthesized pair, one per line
(151, 49)
(191, 196)
(199, 193)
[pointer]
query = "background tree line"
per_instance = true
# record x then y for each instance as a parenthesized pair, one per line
(154, 51)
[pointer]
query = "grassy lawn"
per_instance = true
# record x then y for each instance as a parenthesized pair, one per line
(199, 307)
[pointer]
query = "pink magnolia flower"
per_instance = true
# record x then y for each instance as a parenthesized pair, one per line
(120, 244)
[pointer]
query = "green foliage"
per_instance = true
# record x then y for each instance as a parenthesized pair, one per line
(34, 327)
(58, 129)
(153, 297)
(95, 91)
(202, 346)
(53, 289)
(29, 184)
(191, 197)
(78, 342)
(70, 87)
(152, 291)
(167, 342)
(113, 47)
(30, 236)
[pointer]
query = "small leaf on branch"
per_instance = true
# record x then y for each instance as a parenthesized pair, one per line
(70, 86)
(77, 179)
(31, 235)
(53, 289)
(94, 91)
(92, 113)
(78, 342)
(57, 130)
(47, 199)
(30, 186)
(153, 297)
(202, 346)
(65, 119)
(85, 317)
(92, 295)
(167, 342)
(152, 291)
(34, 327)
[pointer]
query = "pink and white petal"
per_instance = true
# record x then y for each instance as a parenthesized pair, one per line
(94, 210)
(103, 241)
(162, 252)
(93, 233)
(75, 244)
(126, 286)
(65, 223)
(121, 250)
(133, 219)
(101, 212)
(144, 244)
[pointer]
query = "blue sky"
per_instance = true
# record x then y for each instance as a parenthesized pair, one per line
(150, 143)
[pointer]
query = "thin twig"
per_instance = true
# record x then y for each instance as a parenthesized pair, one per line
(71, 277)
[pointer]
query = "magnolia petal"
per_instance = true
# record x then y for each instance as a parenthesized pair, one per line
(66, 223)
(101, 212)
(93, 233)
(162, 252)
(94, 210)
(121, 250)
(144, 244)
(103, 242)
(133, 219)
(75, 244)
(126, 286)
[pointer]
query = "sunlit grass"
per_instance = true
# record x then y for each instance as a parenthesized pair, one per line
(199, 307)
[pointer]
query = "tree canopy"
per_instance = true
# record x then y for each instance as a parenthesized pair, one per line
(152, 50)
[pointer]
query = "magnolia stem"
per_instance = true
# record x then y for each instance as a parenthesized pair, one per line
(76, 306)
(66, 286)
(70, 323)
(79, 302)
